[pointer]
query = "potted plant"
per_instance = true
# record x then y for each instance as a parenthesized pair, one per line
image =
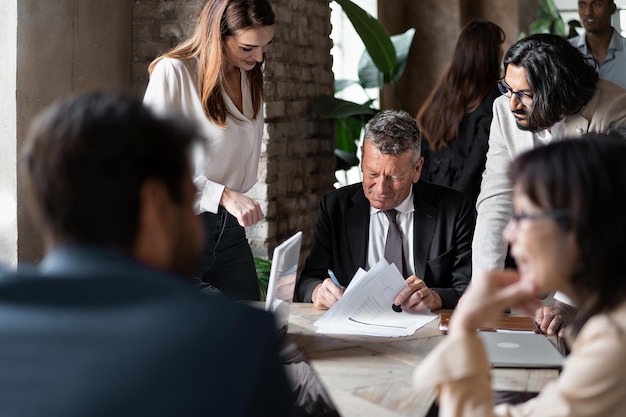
(383, 61)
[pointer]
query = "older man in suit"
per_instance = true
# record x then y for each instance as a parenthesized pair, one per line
(435, 224)
(106, 325)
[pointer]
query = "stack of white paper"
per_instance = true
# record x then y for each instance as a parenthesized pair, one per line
(366, 306)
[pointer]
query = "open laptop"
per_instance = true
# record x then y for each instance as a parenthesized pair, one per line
(282, 281)
(520, 350)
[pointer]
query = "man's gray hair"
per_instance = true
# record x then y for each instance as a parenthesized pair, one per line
(394, 132)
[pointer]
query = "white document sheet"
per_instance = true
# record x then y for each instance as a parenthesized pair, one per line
(366, 306)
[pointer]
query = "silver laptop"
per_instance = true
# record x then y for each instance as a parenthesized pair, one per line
(282, 281)
(520, 350)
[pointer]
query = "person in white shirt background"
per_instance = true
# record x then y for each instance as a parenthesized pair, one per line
(215, 78)
(601, 41)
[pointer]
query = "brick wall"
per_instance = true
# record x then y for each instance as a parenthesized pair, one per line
(297, 163)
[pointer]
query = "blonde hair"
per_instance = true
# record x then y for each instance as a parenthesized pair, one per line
(219, 20)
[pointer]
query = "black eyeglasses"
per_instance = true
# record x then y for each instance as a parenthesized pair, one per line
(548, 214)
(524, 98)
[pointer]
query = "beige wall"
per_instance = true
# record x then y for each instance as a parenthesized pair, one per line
(53, 49)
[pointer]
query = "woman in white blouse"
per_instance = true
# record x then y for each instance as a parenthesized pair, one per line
(215, 78)
(568, 233)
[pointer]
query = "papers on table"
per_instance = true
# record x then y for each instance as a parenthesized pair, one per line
(366, 306)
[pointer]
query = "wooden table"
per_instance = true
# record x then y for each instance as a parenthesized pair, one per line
(372, 376)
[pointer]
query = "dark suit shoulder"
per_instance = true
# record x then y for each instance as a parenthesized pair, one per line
(344, 197)
(438, 193)
(164, 294)
(345, 192)
(133, 326)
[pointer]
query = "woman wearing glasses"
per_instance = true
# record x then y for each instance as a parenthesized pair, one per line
(456, 116)
(568, 233)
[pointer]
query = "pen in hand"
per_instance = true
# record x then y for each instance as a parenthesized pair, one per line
(332, 276)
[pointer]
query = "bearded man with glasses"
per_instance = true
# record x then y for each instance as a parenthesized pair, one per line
(549, 91)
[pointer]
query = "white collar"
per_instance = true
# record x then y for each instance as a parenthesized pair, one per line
(406, 206)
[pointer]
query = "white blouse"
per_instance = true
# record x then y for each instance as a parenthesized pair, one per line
(230, 155)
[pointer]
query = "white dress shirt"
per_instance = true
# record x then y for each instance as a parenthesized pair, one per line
(379, 224)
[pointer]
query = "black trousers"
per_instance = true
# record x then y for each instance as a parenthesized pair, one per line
(227, 262)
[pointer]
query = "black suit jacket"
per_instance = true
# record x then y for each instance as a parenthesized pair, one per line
(95, 333)
(442, 235)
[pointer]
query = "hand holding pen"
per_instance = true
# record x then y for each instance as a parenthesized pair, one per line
(333, 277)
(328, 292)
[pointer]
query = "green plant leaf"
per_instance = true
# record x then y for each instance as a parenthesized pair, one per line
(370, 77)
(347, 133)
(342, 84)
(374, 36)
(345, 160)
(558, 28)
(402, 44)
(549, 20)
(263, 267)
(540, 26)
(330, 107)
(550, 9)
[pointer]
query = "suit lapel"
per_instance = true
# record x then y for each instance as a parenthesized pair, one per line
(424, 220)
(357, 222)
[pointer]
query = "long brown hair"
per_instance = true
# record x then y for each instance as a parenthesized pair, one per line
(219, 20)
(472, 74)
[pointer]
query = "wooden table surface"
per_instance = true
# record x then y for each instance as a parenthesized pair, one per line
(372, 376)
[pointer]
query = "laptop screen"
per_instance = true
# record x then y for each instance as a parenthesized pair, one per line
(282, 281)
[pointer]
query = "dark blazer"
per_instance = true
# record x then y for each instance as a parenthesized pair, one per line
(95, 333)
(442, 235)
(460, 165)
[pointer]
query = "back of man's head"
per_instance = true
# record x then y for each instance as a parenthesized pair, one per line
(86, 159)
(561, 78)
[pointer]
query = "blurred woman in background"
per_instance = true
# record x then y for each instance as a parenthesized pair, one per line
(456, 116)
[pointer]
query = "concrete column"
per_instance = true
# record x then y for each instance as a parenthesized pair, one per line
(438, 24)
(8, 135)
(52, 49)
